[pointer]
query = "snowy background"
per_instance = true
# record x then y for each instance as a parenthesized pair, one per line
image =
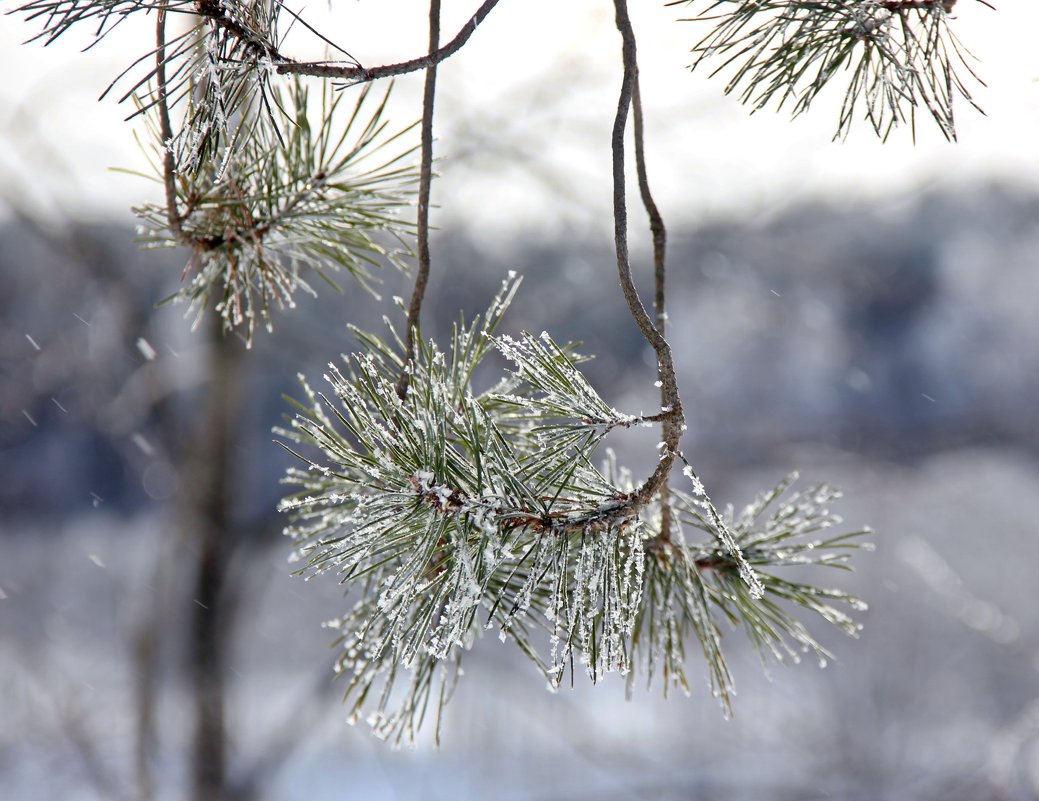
(865, 315)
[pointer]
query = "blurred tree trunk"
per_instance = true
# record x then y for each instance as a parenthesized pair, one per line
(209, 486)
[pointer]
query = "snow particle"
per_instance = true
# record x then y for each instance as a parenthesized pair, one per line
(859, 381)
(142, 443)
(147, 351)
(159, 480)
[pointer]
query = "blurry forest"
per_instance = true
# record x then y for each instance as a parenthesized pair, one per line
(893, 347)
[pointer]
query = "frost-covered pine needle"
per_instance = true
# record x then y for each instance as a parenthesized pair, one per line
(451, 511)
(892, 57)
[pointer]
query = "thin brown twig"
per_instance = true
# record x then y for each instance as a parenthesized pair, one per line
(169, 170)
(672, 403)
(425, 184)
(656, 221)
(573, 521)
(659, 232)
(358, 74)
(920, 5)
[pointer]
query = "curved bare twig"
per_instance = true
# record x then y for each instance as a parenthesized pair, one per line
(659, 232)
(672, 402)
(425, 183)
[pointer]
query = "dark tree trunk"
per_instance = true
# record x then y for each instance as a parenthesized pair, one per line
(210, 533)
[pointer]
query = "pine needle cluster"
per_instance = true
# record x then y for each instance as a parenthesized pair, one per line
(898, 56)
(320, 196)
(453, 511)
(217, 71)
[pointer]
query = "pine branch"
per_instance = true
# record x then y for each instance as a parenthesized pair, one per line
(498, 505)
(901, 55)
(311, 201)
(453, 511)
(240, 55)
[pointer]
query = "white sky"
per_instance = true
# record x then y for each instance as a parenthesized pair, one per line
(525, 112)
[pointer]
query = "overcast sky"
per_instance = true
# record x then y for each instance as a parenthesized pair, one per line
(525, 113)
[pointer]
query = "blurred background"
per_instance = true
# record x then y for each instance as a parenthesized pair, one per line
(864, 313)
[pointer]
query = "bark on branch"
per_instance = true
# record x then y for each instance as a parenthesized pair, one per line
(425, 184)
(358, 74)
(672, 403)
(169, 170)
(659, 232)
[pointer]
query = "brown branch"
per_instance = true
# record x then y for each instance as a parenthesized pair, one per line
(573, 521)
(659, 232)
(169, 170)
(920, 5)
(656, 221)
(425, 184)
(609, 424)
(672, 403)
(214, 10)
(358, 74)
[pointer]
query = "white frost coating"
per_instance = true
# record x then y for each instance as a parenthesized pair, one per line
(698, 488)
